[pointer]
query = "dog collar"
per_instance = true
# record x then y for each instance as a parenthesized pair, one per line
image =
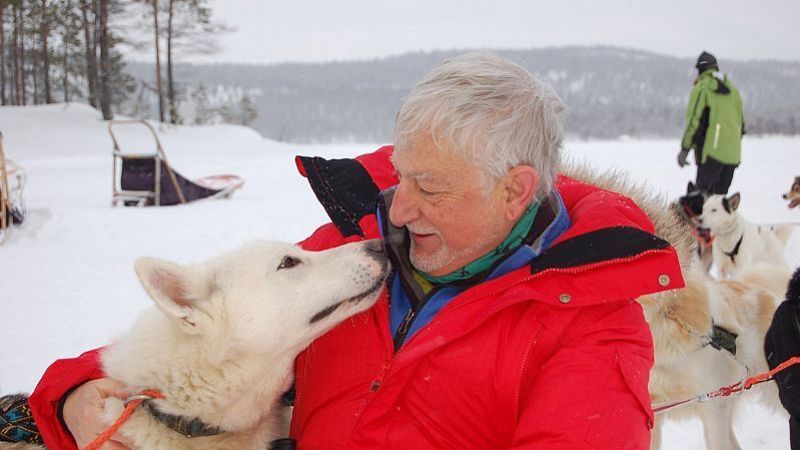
(186, 426)
(732, 254)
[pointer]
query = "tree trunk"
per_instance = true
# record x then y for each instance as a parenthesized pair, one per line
(91, 54)
(34, 70)
(159, 90)
(20, 53)
(66, 55)
(14, 58)
(2, 54)
(66, 71)
(48, 98)
(105, 63)
(173, 105)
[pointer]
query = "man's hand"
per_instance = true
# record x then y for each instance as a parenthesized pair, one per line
(682, 155)
(83, 412)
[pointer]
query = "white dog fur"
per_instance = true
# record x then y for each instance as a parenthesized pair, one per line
(758, 242)
(222, 341)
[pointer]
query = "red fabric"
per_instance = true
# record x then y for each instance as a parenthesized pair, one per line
(59, 378)
(506, 364)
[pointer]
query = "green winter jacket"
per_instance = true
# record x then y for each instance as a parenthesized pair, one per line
(714, 120)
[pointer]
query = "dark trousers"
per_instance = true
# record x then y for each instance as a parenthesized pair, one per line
(714, 176)
(781, 343)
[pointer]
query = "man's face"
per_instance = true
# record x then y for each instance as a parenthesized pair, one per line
(450, 217)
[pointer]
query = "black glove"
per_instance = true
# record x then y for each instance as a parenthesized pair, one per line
(682, 155)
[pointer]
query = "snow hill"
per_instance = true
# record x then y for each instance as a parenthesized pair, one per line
(66, 276)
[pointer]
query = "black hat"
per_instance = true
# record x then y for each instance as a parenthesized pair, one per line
(705, 62)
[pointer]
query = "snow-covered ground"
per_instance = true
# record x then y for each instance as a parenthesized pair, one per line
(66, 276)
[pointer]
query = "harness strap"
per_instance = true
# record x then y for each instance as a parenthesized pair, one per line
(735, 251)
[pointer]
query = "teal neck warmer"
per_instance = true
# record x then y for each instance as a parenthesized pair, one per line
(514, 239)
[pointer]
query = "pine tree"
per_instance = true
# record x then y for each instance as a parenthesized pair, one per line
(248, 110)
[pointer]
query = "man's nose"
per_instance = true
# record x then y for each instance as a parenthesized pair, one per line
(403, 208)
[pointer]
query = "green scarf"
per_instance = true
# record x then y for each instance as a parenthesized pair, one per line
(514, 239)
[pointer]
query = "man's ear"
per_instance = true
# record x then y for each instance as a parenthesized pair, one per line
(176, 290)
(521, 184)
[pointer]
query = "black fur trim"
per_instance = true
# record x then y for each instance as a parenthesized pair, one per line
(597, 246)
(344, 188)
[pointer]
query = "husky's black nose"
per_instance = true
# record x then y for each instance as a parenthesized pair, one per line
(374, 245)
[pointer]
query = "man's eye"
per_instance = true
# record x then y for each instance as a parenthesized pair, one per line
(288, 262)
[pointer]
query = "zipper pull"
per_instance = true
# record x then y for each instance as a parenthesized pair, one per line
(400, 335)
(406, 322)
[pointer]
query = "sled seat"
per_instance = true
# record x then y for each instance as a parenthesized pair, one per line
(147, 179)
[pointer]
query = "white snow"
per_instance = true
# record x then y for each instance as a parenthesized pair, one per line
(66, 276)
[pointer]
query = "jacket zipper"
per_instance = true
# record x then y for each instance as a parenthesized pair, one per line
(408, 321)
(716, 135)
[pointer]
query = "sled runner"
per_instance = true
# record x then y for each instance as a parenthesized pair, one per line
(147, 179)
(12, 183)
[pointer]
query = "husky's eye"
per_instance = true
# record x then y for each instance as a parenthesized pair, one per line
(288, 262)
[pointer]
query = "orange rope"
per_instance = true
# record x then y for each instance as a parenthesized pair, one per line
(105, 436)
(736, 387)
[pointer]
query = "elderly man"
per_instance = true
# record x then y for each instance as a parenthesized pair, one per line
(509, 321)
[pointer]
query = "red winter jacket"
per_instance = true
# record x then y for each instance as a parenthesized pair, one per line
(555, 355)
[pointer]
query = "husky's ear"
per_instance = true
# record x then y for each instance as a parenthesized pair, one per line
(176, 289)
(733, 201)
(690, 188)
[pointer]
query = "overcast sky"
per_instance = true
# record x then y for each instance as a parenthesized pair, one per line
(270, 31)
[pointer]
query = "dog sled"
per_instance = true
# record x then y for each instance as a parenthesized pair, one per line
(147, 179)
(12, 203)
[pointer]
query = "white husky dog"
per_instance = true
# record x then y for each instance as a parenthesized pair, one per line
(737, 242)
(222, 341)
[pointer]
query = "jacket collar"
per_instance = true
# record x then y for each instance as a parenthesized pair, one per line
(594, 247)
(550, 222)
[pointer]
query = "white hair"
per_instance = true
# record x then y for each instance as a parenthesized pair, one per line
(489, 110)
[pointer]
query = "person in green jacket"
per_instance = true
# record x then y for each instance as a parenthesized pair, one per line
(714, 128)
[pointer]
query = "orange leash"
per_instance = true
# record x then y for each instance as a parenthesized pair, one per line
(130, 406)
(733, 388)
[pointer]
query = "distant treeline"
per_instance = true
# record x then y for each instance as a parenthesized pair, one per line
(74, 50)
(611, 92)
